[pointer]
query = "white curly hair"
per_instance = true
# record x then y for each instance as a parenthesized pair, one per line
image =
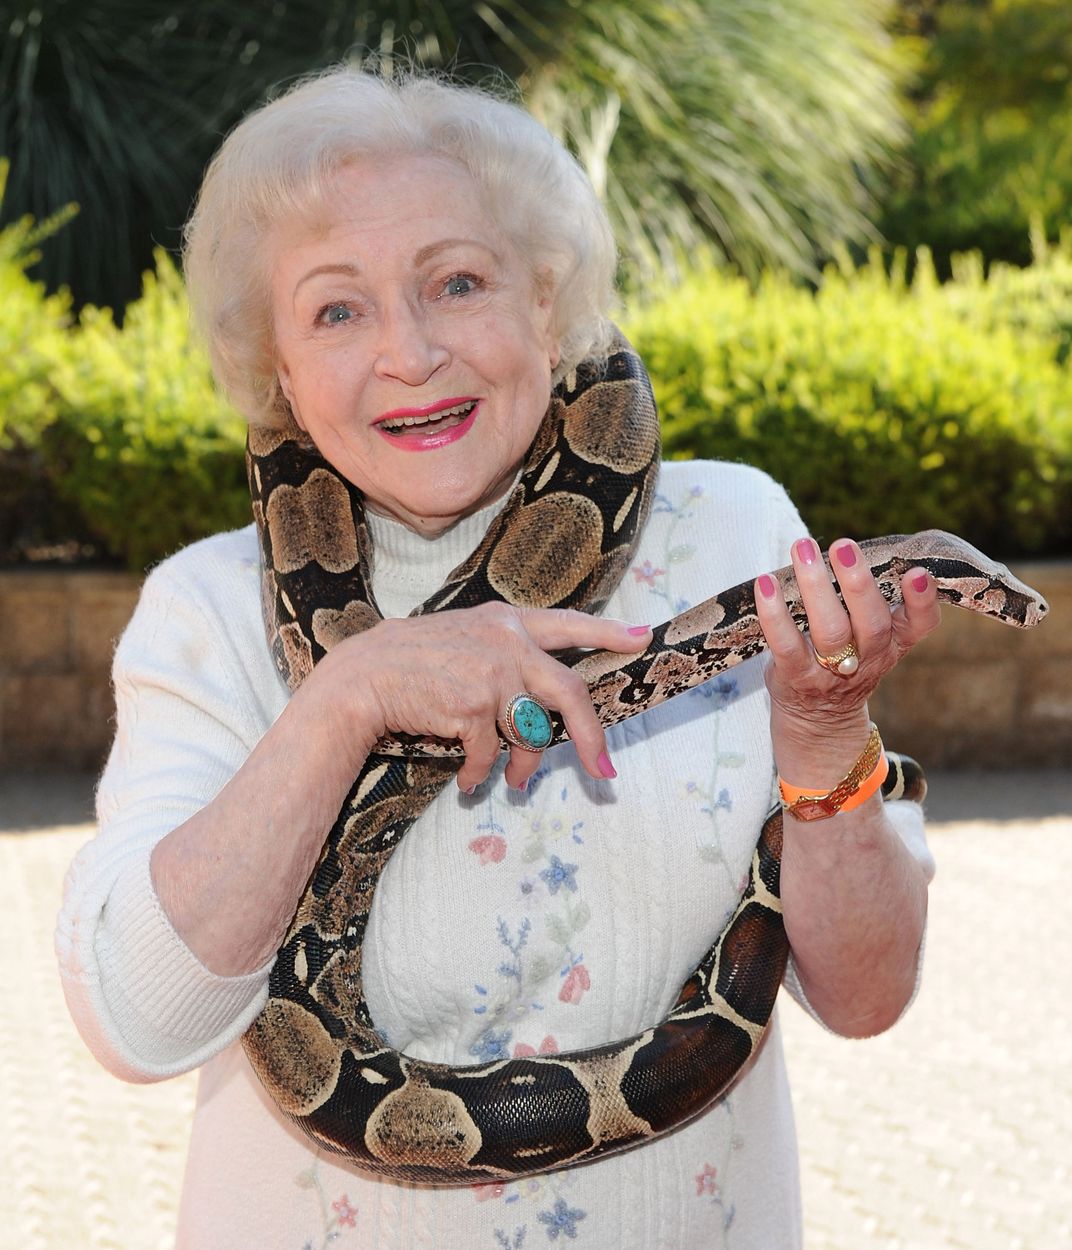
(277, 166)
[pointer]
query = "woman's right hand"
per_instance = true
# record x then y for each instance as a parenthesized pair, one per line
(230, 877)
(451, 674)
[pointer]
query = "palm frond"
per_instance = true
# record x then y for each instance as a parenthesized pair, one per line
(752, 125)
(762, 138)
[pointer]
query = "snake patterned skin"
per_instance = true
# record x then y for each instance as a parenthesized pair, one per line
(564, 539)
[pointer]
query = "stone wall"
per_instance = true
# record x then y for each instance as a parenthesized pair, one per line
(977, 694)
(56, 708)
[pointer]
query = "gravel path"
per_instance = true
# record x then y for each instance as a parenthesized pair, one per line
(953, 1132)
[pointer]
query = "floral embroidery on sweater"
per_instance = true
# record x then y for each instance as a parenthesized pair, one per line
(710, 1183)
(345, 1213)
(546, 1197)
(562, 1219)
(334, 1217)
(506, 1242)
(713, 798)
(539, 938)
(709, 1187)
(540, 955)
(540, 947)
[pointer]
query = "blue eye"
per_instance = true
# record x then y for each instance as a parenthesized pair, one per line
(460, 284)
(332, 314)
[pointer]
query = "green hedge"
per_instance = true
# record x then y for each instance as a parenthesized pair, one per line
(141, 442)
(33, 331)
(34, 334)
(883, 407)
(987, 108)
(114, 444)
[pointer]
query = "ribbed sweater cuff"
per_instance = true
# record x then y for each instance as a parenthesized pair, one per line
(165, 1004)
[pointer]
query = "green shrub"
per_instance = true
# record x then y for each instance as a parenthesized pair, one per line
(988, 111)
(141, 442)
(113, 442)
(1036, 300)
(33, 329)
(882, 407)
(34, 335)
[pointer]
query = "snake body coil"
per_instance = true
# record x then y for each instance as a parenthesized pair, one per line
(564, 539)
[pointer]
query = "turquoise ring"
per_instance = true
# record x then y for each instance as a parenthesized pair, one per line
(527, 723)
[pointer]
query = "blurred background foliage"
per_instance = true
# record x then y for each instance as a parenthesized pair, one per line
(883, 405)
(755, 126)
(989, 102)
(840, 224)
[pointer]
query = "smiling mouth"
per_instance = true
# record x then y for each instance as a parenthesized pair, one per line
(444, 419)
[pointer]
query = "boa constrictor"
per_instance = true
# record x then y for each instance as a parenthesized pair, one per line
(564, 538)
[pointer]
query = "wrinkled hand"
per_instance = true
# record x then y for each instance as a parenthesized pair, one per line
(818, 718)
(451, 674)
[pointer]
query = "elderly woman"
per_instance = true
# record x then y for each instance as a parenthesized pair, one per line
(394, 276)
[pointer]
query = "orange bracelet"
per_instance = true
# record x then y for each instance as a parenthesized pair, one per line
(855, 788)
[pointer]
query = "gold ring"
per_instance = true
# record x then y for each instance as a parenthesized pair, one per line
(844, 662)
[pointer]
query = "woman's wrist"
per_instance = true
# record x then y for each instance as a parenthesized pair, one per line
(230, 877)
(860, 783)
(339, 700)
(816, 754)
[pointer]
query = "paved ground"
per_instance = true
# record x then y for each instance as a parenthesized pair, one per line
(953, 1132)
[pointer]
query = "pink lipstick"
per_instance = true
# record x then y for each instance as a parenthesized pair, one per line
(430, 426)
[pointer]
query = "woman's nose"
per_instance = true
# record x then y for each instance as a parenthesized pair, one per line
(407, 348)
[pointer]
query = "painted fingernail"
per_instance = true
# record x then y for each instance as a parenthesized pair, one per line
(920, 583)
(605, 766)
(470, 789)
(846, 555)
(637, 630)
(767, 586)
(522, 786)
(807, 551)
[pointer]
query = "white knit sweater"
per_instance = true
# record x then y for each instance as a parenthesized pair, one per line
(505, 923)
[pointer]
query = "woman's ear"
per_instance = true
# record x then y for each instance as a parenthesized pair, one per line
(545, 300)
(282, 374)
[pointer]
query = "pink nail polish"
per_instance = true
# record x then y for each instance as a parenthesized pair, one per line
(767, 587)
(605, 766)
(470, 790)
(846, 555)
(637, 630)
(807, 551)
(920, 583)
(522, 786)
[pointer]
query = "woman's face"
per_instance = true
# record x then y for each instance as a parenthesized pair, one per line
(413, 343)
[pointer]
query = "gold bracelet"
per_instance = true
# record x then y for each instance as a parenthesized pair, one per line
(858, 785)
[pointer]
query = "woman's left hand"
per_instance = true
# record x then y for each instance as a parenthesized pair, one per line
(853, 897)
(819, 717)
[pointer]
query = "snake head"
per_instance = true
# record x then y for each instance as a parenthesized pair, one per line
(1012, 600)
(970, 579)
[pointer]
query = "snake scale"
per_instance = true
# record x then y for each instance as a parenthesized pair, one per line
(564, 538)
